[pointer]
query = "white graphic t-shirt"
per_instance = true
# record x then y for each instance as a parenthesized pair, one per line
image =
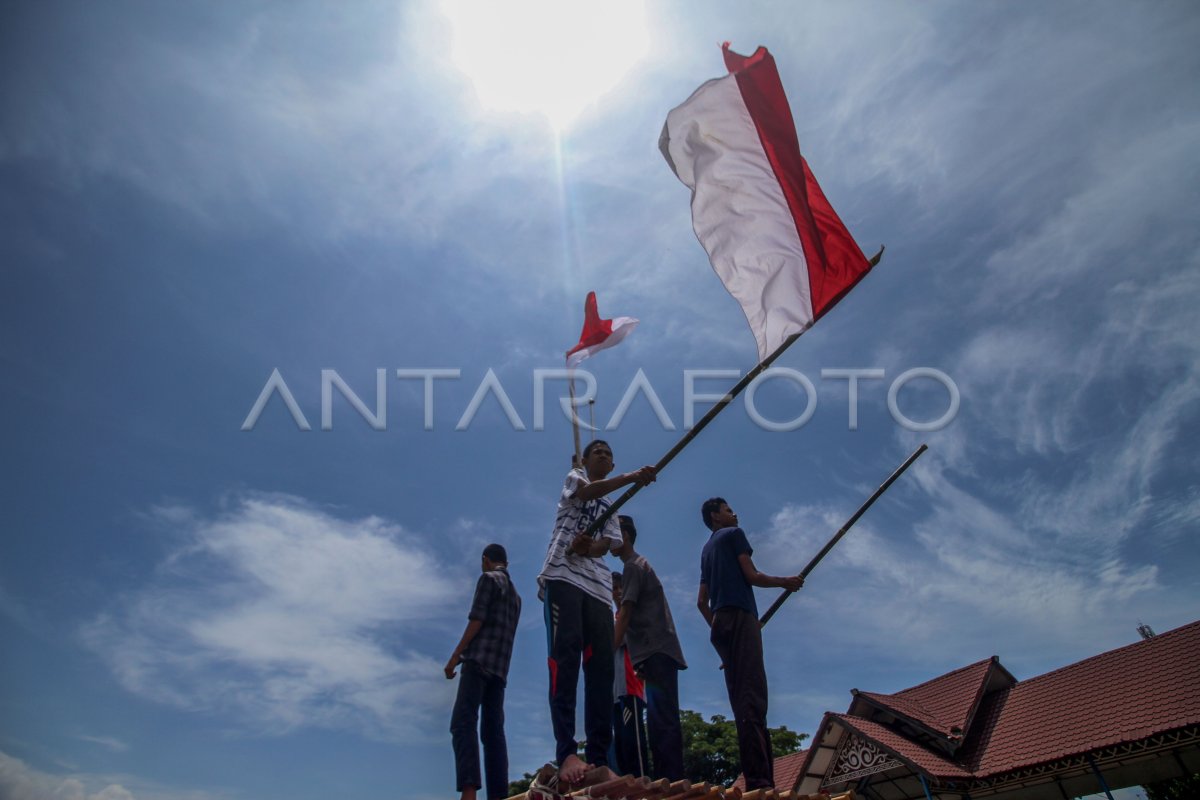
(589, 574)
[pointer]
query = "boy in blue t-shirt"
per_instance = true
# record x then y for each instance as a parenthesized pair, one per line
(726, 599)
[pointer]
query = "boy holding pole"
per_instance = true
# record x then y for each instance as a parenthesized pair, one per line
(576, 589)
(726, 600)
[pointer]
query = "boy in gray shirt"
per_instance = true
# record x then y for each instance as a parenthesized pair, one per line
(645, 626)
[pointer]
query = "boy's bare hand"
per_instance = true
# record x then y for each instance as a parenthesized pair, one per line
(645, 475)
(792, 583)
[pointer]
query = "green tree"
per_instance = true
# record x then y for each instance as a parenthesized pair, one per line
(1174, 789)
(521, 786)
(710, 751)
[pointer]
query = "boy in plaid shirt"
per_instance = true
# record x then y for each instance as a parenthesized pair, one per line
(484, 651)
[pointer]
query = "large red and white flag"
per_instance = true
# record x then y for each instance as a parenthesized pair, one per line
(598, 334)
(772, 237)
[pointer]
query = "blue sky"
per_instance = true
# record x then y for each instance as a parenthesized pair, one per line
(196, 195)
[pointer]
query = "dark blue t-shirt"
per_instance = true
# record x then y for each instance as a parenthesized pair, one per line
(721, 571)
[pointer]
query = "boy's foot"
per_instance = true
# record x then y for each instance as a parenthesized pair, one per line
(572, 769)
(601, 774)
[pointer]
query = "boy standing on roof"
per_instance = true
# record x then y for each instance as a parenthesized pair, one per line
(484, 651)
(726, 599)
(576, 590)
(645, 626)
(628, 754)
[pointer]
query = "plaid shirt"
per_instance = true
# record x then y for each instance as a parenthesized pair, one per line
(498, 606)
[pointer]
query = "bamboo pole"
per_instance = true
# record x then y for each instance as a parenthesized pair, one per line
(693, 433)
(842, 532)
(574, 420)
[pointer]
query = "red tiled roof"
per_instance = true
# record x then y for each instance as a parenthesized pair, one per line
(787, 769)
(945, 703)
(787, 772)
(952, 697)
(1124, 695)
(908, 708)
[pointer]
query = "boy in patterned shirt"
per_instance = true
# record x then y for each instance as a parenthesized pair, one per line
(576, 589)
(484, 651)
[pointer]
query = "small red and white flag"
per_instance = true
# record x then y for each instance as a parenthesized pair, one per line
(598, 334)
(772, 237)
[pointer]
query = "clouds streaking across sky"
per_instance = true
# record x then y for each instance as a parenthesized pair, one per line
(194, 196)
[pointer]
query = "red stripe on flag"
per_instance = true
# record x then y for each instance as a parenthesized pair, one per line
(835, 262)
(595, 330)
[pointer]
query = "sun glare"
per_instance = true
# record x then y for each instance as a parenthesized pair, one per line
(554, 57)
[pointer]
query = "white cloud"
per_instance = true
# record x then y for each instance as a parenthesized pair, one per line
(283, 616)
(969, 577)
(215, 125)
(1078, 362)
(110, 742)
(1111, 227)
(20, 781)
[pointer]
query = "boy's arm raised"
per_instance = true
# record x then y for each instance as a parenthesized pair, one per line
(597, 489)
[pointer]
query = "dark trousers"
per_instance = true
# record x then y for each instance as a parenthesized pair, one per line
(477, 690)
(738, 641)
(629, 754)
(579, 628)
(660, 675)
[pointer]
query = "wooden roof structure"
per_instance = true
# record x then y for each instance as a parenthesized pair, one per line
(628, 787)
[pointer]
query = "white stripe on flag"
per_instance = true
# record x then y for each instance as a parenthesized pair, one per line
(621, 327)
(771, 234)
(739, 212)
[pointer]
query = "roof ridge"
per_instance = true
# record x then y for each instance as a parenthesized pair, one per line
(974, 664)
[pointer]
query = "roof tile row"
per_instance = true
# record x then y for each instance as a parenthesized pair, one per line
(628, 787)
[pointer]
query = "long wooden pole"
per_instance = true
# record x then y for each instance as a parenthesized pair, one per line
(837, 536)
(574, 419)
(703, 423)
(720, 405)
